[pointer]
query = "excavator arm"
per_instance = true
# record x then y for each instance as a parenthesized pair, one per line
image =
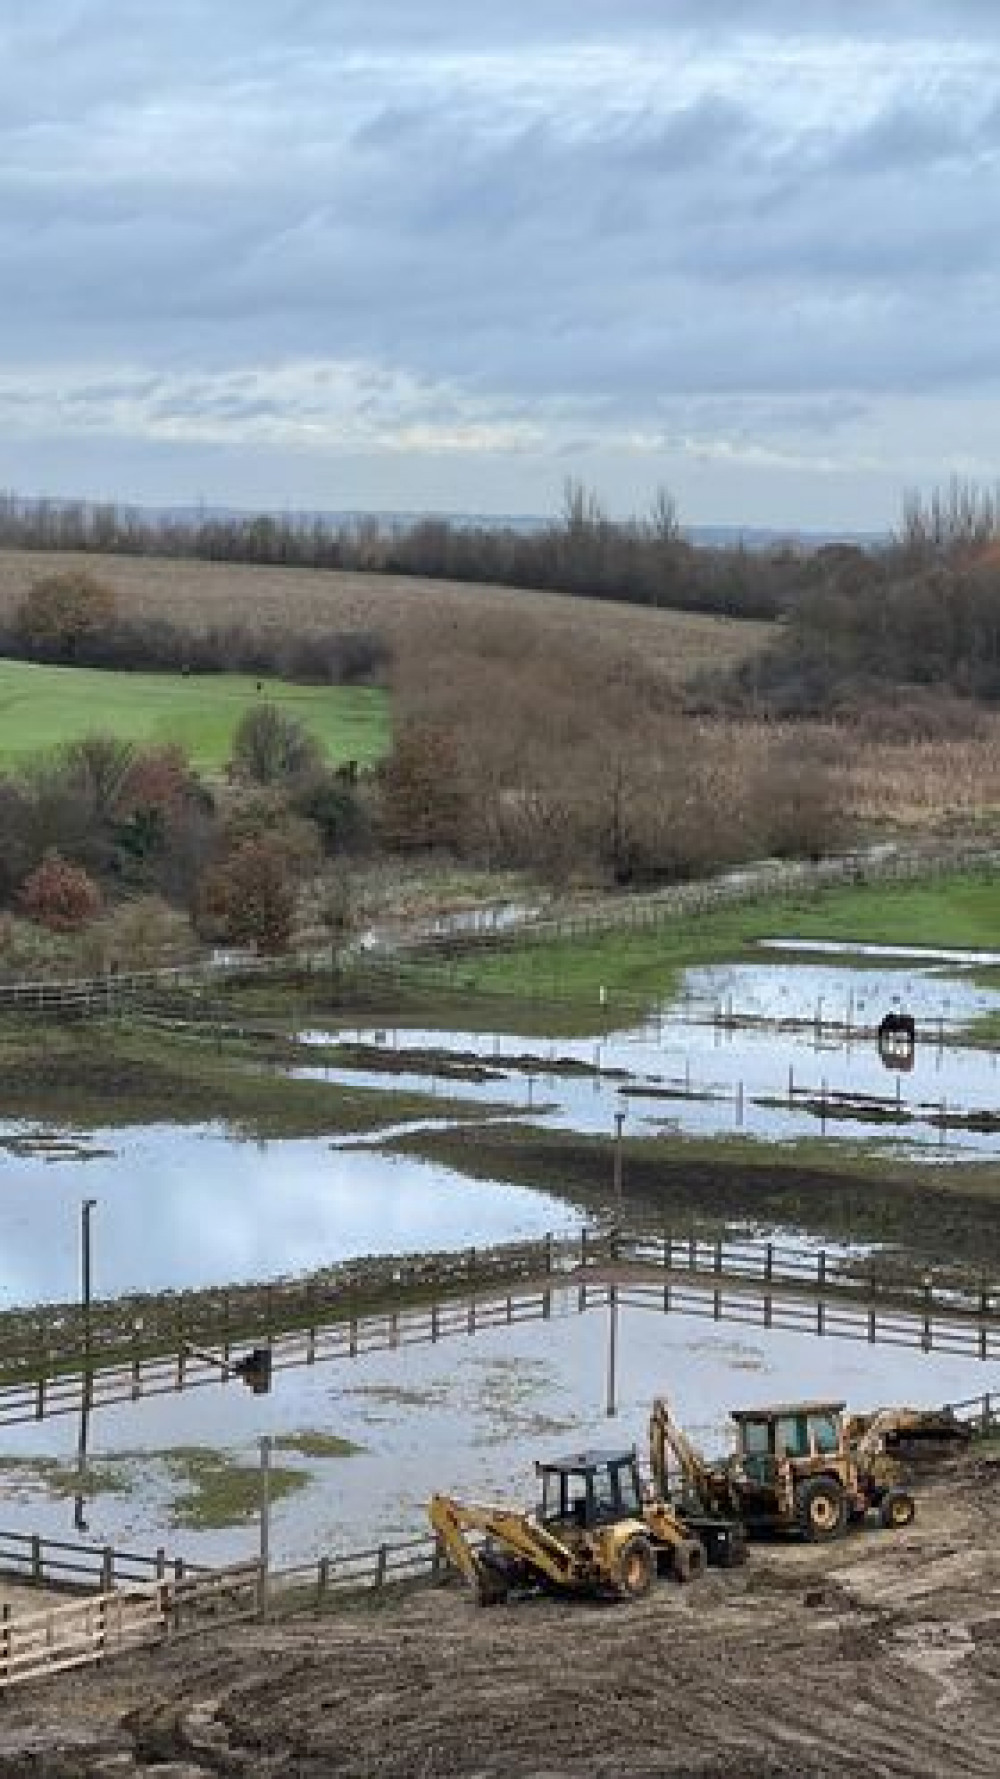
(665, 1436)
(520, 1541)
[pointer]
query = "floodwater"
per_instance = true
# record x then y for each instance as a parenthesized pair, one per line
(179, 1207)
(190, 1207)
(743, 1049)
(468, 1416)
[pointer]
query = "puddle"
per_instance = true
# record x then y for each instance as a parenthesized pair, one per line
(468, 1416)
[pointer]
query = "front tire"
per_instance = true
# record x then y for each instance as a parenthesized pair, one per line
(635, 1568)
(821, 1507)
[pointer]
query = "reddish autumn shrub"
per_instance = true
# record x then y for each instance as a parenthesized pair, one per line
(159, 779)
(249, 898)
(60, 896)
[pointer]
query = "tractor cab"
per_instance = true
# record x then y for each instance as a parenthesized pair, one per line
(800, 1433)
(590, 1489)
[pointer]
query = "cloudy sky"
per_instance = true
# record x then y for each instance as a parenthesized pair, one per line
(426, 253)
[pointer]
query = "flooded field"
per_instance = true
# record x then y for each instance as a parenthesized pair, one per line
(765, 1049)
(366, 1441)
(772, 1050)
(181, 1207)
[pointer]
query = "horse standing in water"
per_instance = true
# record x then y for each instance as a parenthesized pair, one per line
(897, 1040)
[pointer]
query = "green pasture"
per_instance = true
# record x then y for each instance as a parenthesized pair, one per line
(46, 707)
(961, 910)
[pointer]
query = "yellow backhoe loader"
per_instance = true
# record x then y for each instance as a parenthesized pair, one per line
(593, 1533)
(805, 1466)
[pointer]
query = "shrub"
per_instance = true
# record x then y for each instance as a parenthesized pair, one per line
(249, 898)
(270, 747)
(60, 896)
(423, 793)
(332, 803)
(62, 611)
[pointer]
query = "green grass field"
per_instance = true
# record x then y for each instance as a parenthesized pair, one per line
(45, 707)
(960, 910)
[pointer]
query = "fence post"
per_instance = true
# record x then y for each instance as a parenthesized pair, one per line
(322, 1579)
(107, 1569)
(381, 1568)
(36, 1559)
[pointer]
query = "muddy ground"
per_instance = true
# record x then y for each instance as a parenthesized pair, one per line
(879, 1655)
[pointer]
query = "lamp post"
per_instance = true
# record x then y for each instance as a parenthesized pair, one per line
(85, 1279)
(612, 1395)
(88, 1383)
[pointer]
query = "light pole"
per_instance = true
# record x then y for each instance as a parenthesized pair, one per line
(87, 1391)
(612, 1396)
(85, 1277)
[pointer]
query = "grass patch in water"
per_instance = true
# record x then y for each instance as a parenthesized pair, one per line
(101, 1073)
(218, 1491)
(313, 1444)
(62, 1479)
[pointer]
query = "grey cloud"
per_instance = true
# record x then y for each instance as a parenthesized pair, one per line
(485, 201)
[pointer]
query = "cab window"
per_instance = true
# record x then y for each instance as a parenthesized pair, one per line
(755, 1439)
(604, 1496)
(628, 1494)
(790, 1437)
(824, 1433)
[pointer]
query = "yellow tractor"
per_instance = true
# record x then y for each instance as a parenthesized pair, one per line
(799, 1466)
(592, 1534)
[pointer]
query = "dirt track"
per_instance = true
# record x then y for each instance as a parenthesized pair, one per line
(877, 1656)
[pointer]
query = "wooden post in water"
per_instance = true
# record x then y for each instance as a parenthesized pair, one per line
(265, 1522)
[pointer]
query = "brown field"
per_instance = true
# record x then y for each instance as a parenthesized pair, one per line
(198, 594)
(592, 680)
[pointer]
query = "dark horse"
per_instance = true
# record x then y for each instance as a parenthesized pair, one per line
(897, 1040)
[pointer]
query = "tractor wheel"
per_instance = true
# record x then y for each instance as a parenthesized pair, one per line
(897, 1509)
(690, 1559)
(821, 1507)
(635, 1568)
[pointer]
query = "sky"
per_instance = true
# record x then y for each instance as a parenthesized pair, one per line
(423, 254)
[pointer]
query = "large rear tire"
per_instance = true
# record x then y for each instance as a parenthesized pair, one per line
(821, 1508)
(635, 1568)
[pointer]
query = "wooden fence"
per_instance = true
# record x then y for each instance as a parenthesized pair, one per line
(79, 1633)
(115, 991)
(765, 1284)
(176, 1337)
(72, 1564)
